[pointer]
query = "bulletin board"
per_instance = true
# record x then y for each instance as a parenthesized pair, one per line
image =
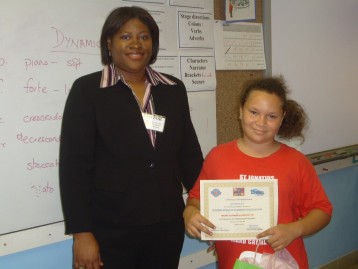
(229, 85)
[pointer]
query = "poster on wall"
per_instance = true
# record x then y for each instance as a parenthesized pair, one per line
(239, 10)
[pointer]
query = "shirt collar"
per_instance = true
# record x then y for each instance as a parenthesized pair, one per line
(110, 77)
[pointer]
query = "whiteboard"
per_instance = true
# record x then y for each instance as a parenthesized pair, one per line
(44, 47)
(314, 46)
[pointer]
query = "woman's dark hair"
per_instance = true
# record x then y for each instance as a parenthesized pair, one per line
(295, 119)
(120, 16)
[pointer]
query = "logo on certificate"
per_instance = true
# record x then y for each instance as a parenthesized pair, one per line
(239, 191)
(257, 192)
(216, 192)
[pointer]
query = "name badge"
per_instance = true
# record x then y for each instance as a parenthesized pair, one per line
(154, 122)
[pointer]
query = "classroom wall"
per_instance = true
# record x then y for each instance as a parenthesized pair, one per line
(340, 236)
(314, 46)
(336, 240)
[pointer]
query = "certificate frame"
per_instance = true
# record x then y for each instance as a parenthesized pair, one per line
(240, 209)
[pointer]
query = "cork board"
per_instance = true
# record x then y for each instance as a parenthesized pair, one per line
(229, 85)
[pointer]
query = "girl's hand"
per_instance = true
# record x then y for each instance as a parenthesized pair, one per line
(195, 223)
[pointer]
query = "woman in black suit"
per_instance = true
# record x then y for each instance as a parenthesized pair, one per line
(127, 148)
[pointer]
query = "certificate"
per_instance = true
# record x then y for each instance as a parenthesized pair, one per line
(240, 209)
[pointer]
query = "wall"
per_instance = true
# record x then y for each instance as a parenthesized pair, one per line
(339, 237)
(314, 46)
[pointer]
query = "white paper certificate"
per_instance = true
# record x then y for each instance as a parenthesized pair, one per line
(240, 209)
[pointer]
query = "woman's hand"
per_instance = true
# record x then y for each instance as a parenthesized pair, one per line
(195, 223)
(86, 252)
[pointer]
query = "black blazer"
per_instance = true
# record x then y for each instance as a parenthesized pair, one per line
(109, 170)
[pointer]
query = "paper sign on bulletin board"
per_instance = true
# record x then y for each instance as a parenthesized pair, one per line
(239, 46)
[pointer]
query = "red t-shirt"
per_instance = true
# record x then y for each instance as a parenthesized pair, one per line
(299, 191)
